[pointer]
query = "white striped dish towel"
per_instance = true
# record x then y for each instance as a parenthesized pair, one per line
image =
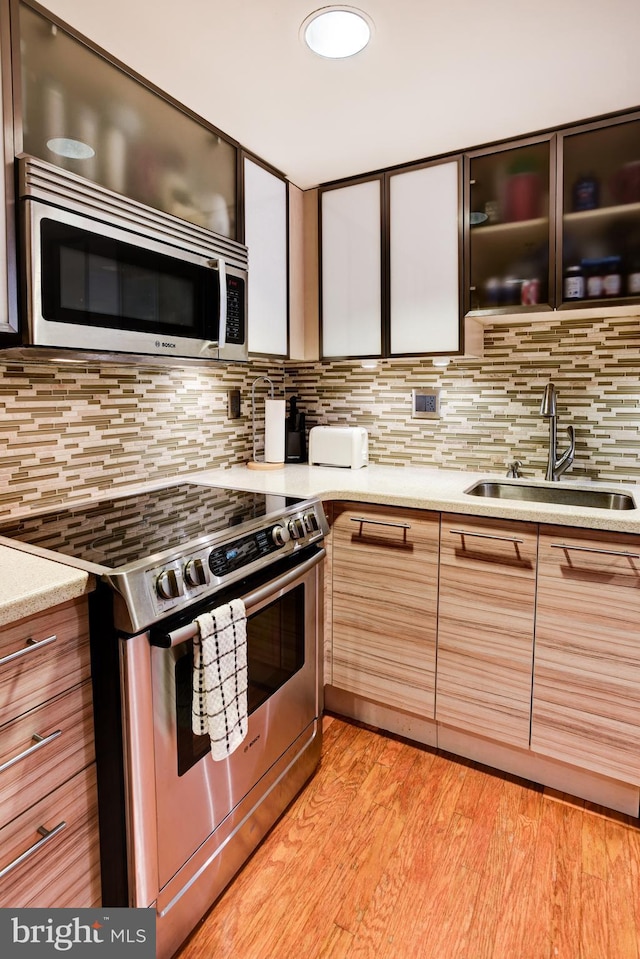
(219, 703)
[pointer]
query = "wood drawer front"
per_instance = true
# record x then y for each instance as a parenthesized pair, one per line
(385, 584)
(65, 870)
(42, 672)
(486, 621)
(586, 702)
(65, 725)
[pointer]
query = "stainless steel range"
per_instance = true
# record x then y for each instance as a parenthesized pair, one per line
(175, 825)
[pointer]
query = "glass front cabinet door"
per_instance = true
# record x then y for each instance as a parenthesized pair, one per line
(510, 228)
(599, 230)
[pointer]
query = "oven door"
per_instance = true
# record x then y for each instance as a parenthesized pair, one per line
(194, 793)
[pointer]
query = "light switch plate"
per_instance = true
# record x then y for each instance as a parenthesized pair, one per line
(425, 404)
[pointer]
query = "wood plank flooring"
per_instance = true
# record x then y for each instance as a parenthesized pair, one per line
(395, 851)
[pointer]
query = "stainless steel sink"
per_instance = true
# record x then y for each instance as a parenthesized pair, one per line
(564, 495)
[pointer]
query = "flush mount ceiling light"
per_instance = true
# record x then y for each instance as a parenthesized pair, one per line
(336, 32)
(74, 149)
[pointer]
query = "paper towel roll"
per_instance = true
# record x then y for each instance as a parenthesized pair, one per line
(274, 414)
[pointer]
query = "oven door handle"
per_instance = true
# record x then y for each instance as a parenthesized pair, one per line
(272, 588)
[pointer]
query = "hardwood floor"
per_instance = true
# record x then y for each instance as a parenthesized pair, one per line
(395, 851)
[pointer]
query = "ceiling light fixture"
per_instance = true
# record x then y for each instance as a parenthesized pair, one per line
(337, 32)
(74, 149)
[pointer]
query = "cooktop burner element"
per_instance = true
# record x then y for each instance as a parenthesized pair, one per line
(163, 549)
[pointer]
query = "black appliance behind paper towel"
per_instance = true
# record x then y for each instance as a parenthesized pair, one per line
(295, 446)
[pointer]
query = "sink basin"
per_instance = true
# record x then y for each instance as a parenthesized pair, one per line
(563, 495)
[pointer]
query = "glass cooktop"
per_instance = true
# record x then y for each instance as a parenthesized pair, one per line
(127, 529)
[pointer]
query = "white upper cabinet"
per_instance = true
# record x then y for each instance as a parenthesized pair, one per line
(352, 270)
(266, 236)
(424, 264)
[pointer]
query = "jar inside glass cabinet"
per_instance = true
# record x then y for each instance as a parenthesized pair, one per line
(509, 228)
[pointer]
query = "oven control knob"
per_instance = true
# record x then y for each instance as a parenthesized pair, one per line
(296, 528)
(167, 585)
(280, 535)
(194, 573)
(311, 522)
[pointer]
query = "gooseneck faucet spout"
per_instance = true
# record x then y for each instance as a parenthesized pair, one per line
(556, 465)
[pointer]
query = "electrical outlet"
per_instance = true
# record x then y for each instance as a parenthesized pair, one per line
(425, 404)
(233, 407)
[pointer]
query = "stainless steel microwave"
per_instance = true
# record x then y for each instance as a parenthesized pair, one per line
(107, 274)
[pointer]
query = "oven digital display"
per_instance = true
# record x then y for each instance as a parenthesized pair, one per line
(225, 559)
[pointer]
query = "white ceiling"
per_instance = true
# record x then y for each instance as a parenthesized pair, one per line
(439, 75)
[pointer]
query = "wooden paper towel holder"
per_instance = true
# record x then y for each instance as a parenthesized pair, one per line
(255, 463)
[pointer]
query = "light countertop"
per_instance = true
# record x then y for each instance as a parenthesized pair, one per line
(30, 583)
(426, 488)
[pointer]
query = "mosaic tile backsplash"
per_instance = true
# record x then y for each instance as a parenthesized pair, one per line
(68, 432)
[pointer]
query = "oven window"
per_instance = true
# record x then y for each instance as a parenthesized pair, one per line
(95, 280)
(275, 653)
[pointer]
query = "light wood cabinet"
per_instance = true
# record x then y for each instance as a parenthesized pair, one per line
(385, 582)
(49, 846)
(57, 839)
(485, 626)
(43, 656)
(586, 693)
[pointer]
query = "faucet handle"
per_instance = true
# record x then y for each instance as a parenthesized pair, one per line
(514, 470)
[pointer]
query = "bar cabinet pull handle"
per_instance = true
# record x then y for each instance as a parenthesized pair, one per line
(31, 647)
(46, 834)
(502, 539)
(592, 549)
(378, 522)
(40, 741)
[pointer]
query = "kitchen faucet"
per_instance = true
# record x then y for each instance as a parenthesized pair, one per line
(556, 465)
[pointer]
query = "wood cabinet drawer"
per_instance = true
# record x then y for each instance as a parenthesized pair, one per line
(64, 869)
(486, 621)
(385, 585)
(35, 667)
(44, 748)
(586, 702)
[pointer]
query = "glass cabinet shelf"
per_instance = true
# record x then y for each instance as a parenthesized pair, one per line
(624, 211)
